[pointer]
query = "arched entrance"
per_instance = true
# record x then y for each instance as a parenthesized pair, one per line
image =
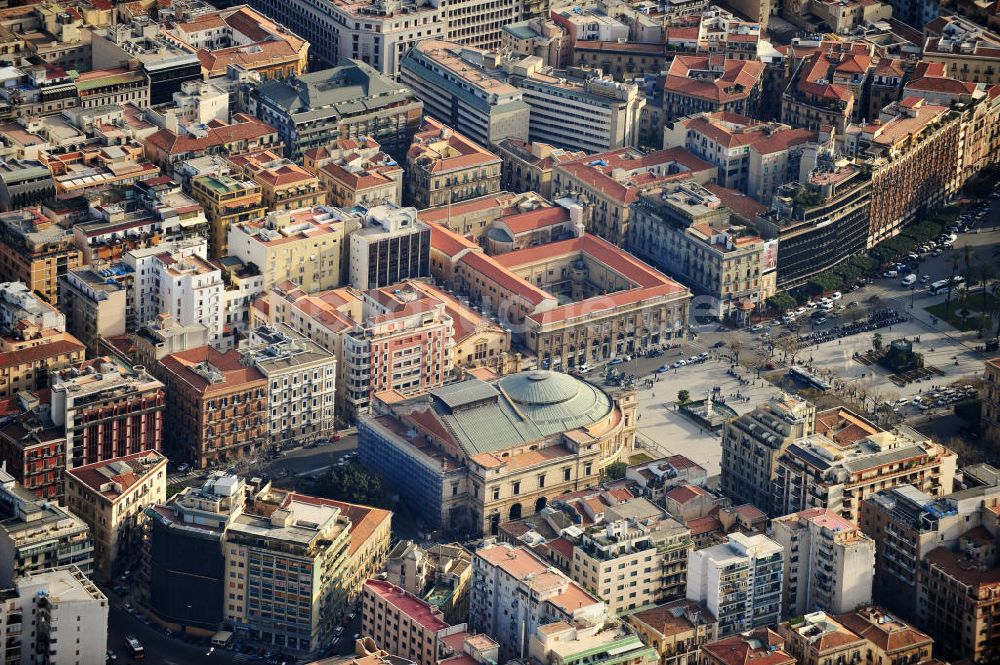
(540, 503)
(515, 512)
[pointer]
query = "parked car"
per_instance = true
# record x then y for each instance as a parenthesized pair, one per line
(718, 345)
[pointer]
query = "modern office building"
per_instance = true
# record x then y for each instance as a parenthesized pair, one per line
(740, 582)
(835, 565)
(391, 246)
(457, 89)
(111, 496)
(316, 109)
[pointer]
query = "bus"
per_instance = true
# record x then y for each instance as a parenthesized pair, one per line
(135, 650)
(938, 286)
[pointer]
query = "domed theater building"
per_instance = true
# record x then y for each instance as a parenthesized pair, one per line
(476, 453)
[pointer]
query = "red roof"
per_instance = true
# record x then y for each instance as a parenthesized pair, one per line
(736, 81)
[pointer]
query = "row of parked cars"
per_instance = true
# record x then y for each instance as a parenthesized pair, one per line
(944, 397)
(693, 360)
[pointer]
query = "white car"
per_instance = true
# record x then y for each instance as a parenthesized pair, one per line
(837, 295)
(756, 327)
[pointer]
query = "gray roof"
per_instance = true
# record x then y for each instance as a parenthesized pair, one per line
(887, 457)
(345, 90)
(517, 409)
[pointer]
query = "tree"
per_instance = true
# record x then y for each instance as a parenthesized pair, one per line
(951, 284)
(683, 397)
(781, 302)
(735, 344)
(355, 484)
(877, 342)
(615, 471)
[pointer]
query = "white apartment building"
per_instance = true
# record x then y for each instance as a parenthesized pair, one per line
(301, 380)
(196, 103)
(514, 591)
(143, 262)
(829, 563)
(191, 290)
(59, 598)
(740, 582)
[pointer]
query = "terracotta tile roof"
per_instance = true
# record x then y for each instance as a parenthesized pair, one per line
(754, 648)
(488, 266)
(738, 202)
(448, 242)
(33, 354)
(672, 618)
(685, 493)
(891, 636)
(243, 128)
(235, 375)
(91, 476)
(703, 525)
(962, 569)
(444, 150)
(737, 79)
(562, 546)
(536, 219)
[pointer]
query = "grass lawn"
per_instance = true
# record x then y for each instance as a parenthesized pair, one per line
(639, 458)
(976, 305)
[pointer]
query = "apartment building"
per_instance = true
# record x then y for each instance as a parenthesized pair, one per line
(753, 442)
(440, 574)
(392, 245)
(991, 395)
(97, 168)
(504, 578)
(96, 303)
(611, 181)
(227, 201)
(817, 637)
(36, 251)
(829, 189)
(25, 183)
(307, 246)
(889, 639)
(241, 36)
(527, 166)
(677, 630)
(191, 291)
(301, 378)
(835, 566)
(581, 113)
(958, 596)
(356, 172)
(723, 139)
(968, 51)
(144, 264)
(315, 109)
(112, 87)
(562, 643)
(170, 148)
(539, 36)
(445, 167)
(254, 533)
(62, 599)
(443, 74)
(33, 340)
(907, 523)
(740, 582)
(111, 497)
(826, 87)
(820, 472)
(402, 623)
(197, 103)
(216, 407)
(710, 84)
(403, 343)
(684, 229)
(914, 150)
(284, 185)
(636, 557)
(37, 535)
(107, 411)
(760, 645)
(32, 448)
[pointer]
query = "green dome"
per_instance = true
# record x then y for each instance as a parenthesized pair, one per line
(553, 398)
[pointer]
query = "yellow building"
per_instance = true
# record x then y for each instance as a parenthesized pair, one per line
(111, 497)
(445, 167)
(306, 246)
(676, 630)
(284, 184)
(36, 251)
(227, 201)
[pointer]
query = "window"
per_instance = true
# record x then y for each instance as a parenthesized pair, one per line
(541, 480)
(587, 468)
(496, 493)
(517, 487)
(566, 473)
